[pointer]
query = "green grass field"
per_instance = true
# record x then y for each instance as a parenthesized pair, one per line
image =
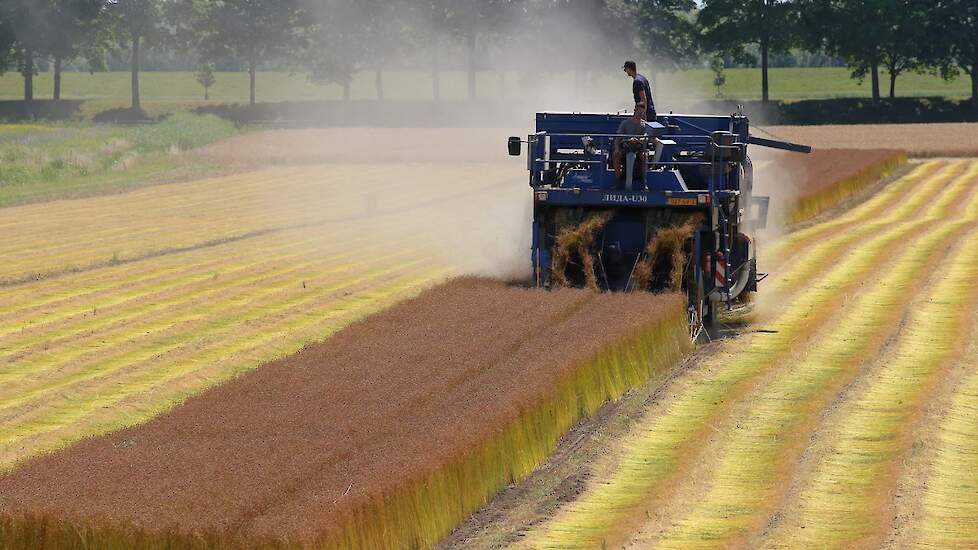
(41, 162)
(108, 90)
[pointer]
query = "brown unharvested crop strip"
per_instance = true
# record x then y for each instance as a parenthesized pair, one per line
(384, 436)
(828, 177)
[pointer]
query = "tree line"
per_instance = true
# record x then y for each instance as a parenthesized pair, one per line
(331, 40)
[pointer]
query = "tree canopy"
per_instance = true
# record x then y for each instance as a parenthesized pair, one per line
(331, 40)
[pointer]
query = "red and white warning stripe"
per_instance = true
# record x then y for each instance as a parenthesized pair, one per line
(721, 273)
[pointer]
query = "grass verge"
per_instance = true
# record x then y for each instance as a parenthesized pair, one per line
(46, 162)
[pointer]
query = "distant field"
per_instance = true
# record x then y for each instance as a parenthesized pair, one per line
(112, 89)
(41, 162)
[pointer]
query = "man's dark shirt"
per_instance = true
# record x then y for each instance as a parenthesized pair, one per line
(638, 85)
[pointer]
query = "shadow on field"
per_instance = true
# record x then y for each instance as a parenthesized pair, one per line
(123, 115)
(850, 110)
(39, 109)
(888, 111)
(509, 113)
(500, 114)
(379, 114)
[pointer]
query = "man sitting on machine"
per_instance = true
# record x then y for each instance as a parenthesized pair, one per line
(633, 126)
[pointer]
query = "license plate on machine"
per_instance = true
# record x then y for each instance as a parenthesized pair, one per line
(678, 201)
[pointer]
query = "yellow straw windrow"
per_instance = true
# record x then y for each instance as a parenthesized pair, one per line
(949, 504)
(869, 435)
(744, 416)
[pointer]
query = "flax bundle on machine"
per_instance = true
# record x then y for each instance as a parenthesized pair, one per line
(578, 239)
(670, 240)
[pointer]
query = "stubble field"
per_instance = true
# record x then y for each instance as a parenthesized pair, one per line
(842, 417)
(839, 421)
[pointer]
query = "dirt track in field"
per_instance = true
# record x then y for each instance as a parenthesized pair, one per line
(379, 146)
(287, 451)
(844, 419)
(920, 140)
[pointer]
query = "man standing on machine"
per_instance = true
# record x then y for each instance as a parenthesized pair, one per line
(642, 91)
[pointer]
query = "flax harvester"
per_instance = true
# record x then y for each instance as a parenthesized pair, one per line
(678, 213)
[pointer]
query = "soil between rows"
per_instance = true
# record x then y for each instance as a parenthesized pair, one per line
(284, 452)
(919, 140)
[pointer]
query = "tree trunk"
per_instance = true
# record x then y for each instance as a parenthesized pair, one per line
(765, 84)
(893, 77)
(28, 76)
(435, 83)
(57, 78)
(379, 83)
(974, 86)
(875, 80)
(134, 69)
(252, 72)
(471, 42)
(207, 95)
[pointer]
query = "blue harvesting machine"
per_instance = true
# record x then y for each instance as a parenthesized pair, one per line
(672, 209)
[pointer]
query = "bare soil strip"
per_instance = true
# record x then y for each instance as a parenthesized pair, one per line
(920, 140)
(327, 445)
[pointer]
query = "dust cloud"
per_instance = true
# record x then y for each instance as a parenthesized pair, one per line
(445, 186)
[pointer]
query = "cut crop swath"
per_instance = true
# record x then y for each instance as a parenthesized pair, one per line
(654, 466)
(949, 501)
(808, 254)
(869, 430)
(775, 426)
(102, 231)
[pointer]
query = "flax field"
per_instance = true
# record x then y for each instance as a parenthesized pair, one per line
(844, 418)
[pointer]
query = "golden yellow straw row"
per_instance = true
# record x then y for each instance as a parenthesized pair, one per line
(657, 457)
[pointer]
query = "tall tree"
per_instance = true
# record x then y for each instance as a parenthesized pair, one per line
(254, 31)
(29, 23)
(335, 41)
(80, 30)
(665, 29)
(870, 35)
(954, 32)
(438, 16)
(7, 54)
(381, 29)
(580, 35)
(477, 20)
(730, 25)
(136, 22)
